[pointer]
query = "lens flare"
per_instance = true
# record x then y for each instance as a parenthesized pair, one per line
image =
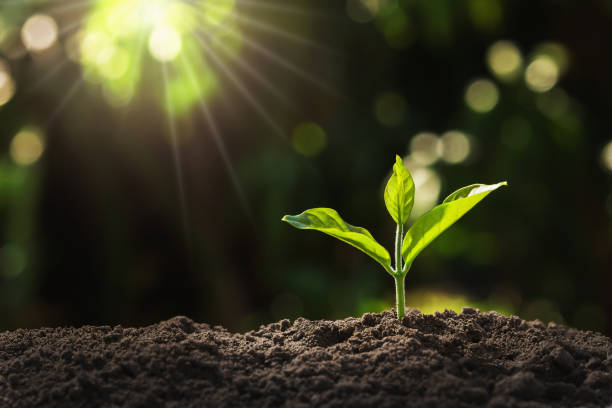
(606, 156)
(7, 84)
(505, 60)
(39, 33)
(165, 44)
(425, 148)
(482, 95)
(455, 147)
(122, 39)
(27, 146)
(542, 74)
(362, 11)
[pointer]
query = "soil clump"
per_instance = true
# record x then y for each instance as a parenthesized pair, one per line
(470, 359)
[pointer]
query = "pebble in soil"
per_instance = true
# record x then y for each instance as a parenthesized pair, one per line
(470, 359)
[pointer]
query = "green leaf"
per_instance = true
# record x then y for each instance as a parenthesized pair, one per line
(399, 193)
(329, 222)
(434, 222)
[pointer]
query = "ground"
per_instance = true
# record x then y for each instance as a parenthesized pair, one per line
(470, 359)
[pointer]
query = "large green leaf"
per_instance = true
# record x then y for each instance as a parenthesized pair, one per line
(438, 219)
(329, 222)
(399, 193)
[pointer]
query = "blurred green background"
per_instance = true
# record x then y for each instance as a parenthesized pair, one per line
(150, 148)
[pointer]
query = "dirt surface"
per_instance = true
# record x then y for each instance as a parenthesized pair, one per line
(470, 359)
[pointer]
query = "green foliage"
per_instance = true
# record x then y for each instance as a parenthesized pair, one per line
(329, 222)
(434, 222)
(399, 199)
(399, 193)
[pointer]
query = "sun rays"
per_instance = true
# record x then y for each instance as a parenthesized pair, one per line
(197, 44)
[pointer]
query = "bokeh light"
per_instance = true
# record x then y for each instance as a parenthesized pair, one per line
(27, 146)
(455, 147)
(557, 52)
(72, 46)
(309, 139)
(398, 29)
(505, 60)
(427, 186)
(486, 15)
(425, 148)
(606, 156)
(149, 51)
(362, 11)
(39, 33)
(7, 84)
(553, 104)
(542, 74)
(482, 95)
(390, 109)
(114, 62)
(165, 44)
(118, 36)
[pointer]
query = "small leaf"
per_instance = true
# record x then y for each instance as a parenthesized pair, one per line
(434, 222)
(399, 193)
(329, 222)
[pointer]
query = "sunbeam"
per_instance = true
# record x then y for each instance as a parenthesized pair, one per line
(48, 76)
(64, 101)
(218, 139)
(272, 30)
(176, 157)
(251, 70)
(198, 46)
(284, 8)
(242, 88)
(64, 8)
(274, 57)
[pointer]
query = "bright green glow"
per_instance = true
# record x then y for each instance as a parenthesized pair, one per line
(122, 40)
(165, 43)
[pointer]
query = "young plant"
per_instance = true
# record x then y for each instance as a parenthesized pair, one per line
(399, 199)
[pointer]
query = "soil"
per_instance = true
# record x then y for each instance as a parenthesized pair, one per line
(470, 359)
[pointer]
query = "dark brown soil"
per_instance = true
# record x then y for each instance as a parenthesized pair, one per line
(468, 360)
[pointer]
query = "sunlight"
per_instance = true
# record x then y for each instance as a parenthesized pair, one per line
(216, 135)
(110, 47)
(176, 155)
(7, 84)
(455, 147)
(39, 33)
(239, 85)
(542, 74)
(173, 52)
(165, 43)
(505, 60)
(482, 95)
(425, 148)
(27, 147)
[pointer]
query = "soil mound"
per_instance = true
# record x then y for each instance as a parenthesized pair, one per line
(470, 359)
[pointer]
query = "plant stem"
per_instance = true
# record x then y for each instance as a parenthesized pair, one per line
(399, 275)
(399, 295)
(399, 238)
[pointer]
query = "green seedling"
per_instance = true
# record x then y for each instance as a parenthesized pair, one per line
(399, 199)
